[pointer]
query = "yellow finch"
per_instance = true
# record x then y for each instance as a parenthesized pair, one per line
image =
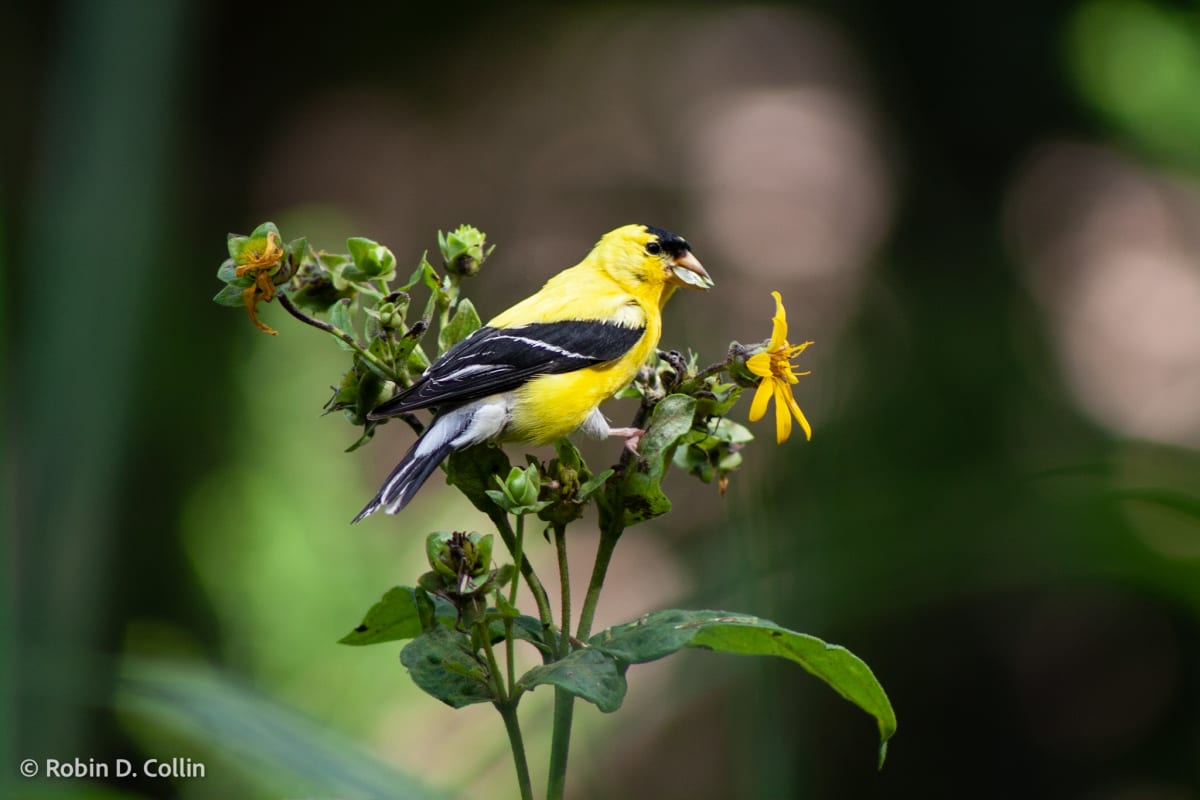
(540, 370)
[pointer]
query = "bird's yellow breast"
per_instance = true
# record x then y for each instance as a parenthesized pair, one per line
(552, 406)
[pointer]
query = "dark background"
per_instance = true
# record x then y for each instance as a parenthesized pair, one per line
(985, 215)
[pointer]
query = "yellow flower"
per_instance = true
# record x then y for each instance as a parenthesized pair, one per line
(774, 366)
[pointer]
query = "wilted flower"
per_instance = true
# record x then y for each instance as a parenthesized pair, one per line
(261, 266)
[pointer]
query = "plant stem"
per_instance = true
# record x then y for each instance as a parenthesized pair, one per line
(564, 702)
(363, 353)
(560, 744)
(545, 615)
(509, 654)
(493, 665)
(610, 533)
(518, 557)
(604, 552)
(564, 576)
(509, 649)
(509, 712)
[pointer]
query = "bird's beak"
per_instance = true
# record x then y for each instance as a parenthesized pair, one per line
(689, 272)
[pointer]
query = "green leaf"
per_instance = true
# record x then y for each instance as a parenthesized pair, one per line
(367, 435)
(339, 317)
(318, 293)
(718, 399)
(228, 273)
(589, 673)
(396, 616)
(662, 633)
(464, 322)
(423, 272)
(638, 494)
(259, 746)
(263, 230)
(230, 295)
(297, 251)
(443, 664)
(471, 470)
(592, 484)
(524, 627)
(729, 431)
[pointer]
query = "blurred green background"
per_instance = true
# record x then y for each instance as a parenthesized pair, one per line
(987, 216)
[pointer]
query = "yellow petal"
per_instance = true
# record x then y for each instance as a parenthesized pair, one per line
(799, 415)
(783, 420)
(760, 364)
(779, 329)
(762, 396)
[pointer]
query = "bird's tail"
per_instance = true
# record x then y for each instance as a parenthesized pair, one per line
(417, 465)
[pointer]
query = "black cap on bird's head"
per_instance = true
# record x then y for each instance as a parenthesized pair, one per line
(685, 268)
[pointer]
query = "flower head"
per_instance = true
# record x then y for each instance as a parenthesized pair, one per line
(261, 263)
(774, 366)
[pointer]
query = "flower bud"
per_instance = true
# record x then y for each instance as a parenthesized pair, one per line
(518, 493)
(371, 259)
(464, 250)
(738, 370)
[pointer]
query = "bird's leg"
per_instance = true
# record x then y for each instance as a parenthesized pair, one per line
(632, 436)
(596, 425)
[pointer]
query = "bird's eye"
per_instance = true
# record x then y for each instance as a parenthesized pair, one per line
(653, 248)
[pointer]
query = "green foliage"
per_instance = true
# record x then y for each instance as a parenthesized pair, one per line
(464, 322)
(714, 450)
(637, 494)
(277, 752)
(444, 664)
(457, 615)
(471, 471)
(663, 633)
(402, 613)
(591, 674)
(568, 485)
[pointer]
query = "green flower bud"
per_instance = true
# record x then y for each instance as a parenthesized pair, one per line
(437, 551)
(738, 370)
(371, 260)
(519, 492)
(464, 250)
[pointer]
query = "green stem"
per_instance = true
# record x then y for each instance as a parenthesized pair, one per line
(564, 702)
(564, 575)
(545, 615)
(509, 654)
(366, 355)
(604, 552)
(493, 664)
(519, 557)
(509, 712)
(560, 744)
(610, 532)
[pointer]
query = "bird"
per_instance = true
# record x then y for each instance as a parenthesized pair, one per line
(540, 370)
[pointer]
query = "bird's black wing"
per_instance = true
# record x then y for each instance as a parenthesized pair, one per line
(493, 360)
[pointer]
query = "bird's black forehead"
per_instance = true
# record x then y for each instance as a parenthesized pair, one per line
(672, 243)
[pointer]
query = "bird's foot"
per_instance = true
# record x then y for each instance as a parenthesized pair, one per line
(632, 436)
